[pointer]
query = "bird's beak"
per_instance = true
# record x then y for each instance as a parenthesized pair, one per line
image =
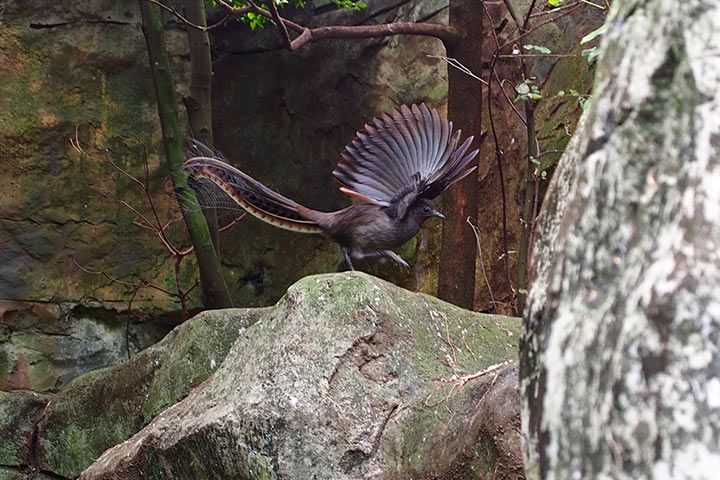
(435, 213)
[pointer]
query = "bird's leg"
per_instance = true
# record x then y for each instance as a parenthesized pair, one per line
(346, 256)
(396, 257)
(386, 253)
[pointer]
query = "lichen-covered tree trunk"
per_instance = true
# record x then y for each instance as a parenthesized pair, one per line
(620, 361)
(215, 292)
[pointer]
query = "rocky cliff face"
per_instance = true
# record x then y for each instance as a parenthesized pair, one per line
(77, 71)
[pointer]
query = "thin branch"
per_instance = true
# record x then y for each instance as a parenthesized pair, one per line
(453, 62)
(142, 284)
(235, 11)
(515, 14)
(526, 21)
(498, 160)
(280, 24)
(555, 10)
(588, 2)
(459, 382)
(372, 31)
(522, 55)
(534, 28)
(510, 102)
(187, 22)
(474, 229)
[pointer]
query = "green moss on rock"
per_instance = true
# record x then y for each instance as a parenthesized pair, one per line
(105, 407)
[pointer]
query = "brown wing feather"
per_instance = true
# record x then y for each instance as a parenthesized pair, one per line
(408, 152)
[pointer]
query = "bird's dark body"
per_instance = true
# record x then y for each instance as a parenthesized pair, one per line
(366, 227)
(393, 168)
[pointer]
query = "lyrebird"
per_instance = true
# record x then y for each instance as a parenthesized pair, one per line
(393, 169)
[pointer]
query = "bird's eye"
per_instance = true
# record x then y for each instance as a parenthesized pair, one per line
(426, 210)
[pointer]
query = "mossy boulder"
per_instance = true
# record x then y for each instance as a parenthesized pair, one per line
(346, 377)
(105, 407)
(19, 411)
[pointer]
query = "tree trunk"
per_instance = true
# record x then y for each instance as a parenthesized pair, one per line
(456, 278)
(198, 101)
(619, 358)
(215, 292)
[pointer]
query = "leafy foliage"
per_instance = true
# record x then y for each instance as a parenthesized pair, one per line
(594, 34)
(527, 90)
(255, 20)
(537, 48)
(352, 5)
(557, 3)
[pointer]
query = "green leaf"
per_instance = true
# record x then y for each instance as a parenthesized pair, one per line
(534, 96)
(557, 3)
(561, 93)
(591, 54)
(352, 5)
(522, 88)
(594, 34)
(538, 48)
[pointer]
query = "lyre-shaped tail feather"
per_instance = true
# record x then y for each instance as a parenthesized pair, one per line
(254, 197)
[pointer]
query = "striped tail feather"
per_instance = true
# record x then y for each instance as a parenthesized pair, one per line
(254, 197)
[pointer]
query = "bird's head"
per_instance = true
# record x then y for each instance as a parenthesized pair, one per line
(424, 209)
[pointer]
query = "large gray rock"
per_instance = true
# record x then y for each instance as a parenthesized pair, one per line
(346, 377)
(105, 407)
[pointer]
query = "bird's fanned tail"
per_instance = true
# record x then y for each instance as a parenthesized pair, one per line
(246, 192)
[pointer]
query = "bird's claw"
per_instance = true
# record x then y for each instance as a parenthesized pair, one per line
(397, 258)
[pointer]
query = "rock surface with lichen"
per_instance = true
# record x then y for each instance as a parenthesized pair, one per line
(619, 362)
(347, 377)
(104, 407)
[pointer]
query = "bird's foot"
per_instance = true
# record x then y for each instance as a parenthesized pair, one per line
(396, 257)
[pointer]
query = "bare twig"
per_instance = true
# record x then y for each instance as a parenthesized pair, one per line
(142, 284)
(453, 62)
(526, 20)
(499, 153)
(518, 55)
(462, 380)
(187, 22)
(509, 100)
(282, 28)
(555, 10)
(474, 229)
